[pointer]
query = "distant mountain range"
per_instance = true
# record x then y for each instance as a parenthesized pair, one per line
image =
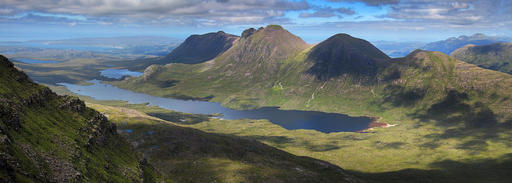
(493, 56)
(451, 44)
(141, 45)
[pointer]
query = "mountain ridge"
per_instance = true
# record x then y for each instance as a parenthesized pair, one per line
(496, 56)
(451, 44)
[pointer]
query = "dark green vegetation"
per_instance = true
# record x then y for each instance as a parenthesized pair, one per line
(449, 45)
(446, 110)
(494, 56)
(188, 155)
(49, 138)
(201, 48)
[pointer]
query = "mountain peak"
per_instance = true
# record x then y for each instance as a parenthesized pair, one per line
(200, 48)
(270, 43)
(261, 49)
(343, 54)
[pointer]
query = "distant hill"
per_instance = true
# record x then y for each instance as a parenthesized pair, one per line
(397, 49)
(200, 48)
(449, 45)
(45, 137)
(494, 56)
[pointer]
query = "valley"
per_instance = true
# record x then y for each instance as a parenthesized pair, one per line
(438, 119)
(255, 91)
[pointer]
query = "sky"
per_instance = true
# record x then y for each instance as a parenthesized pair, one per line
(313, 20)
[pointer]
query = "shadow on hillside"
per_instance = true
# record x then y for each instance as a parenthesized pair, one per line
(473, 124)
(191, 155)
(453, 111)
(180, 118)
(282, 141)
(399, 96)
(476, 171)
(390, 145)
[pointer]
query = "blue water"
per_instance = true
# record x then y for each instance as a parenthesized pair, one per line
(289, 119)
(119, 73)
(34, 61)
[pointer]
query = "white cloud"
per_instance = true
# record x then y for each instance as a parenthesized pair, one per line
(143, 10)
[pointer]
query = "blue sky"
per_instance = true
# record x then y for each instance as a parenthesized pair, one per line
(313, 20)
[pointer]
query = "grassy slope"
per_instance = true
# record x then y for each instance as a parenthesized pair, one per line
(45, 137)
(446, 110)
(494, 56)
(189, 155)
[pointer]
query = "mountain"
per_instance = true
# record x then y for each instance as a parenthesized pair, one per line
(260, 71)
(449, 45)
(260, 50)
(494, 56)
(49, 138)
(344, 54)
(201, 48)
(447, 111)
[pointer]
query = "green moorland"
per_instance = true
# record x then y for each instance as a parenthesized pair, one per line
(49, 138)
(453, 119)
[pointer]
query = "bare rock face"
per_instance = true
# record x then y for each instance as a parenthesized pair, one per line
(98, 130)
(73, 104)
(9, 114)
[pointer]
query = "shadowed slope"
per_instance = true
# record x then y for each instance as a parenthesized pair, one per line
(344, 54)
